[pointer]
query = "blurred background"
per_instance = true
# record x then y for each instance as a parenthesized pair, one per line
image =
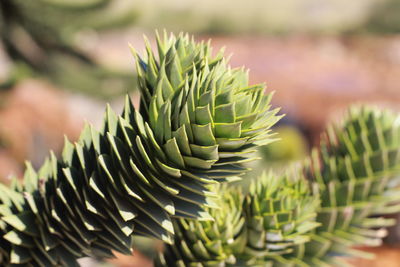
(62, 60)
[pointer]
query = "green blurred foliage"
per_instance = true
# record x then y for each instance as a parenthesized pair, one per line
(256, 16)
(270, 16)
(42, 35)
(100, 82)
(385, 18)
(292, 146)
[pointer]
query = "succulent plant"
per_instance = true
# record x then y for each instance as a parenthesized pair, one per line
(280, 214)
(199, 120)
(251, 229)
(209, 243)
(314, 214)
(357, 170)
(202, 112)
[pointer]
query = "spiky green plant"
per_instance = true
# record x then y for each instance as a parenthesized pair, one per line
(357, 170)
(280, 213)
(275, 215)
(199, 120)
(209, 243)
(336, 201)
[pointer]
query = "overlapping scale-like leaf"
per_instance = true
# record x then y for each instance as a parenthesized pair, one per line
(316, 214)
(198, 122)
(209, 243)
(205, 117)
(273, 218)
(280, 214)
(357, 170)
